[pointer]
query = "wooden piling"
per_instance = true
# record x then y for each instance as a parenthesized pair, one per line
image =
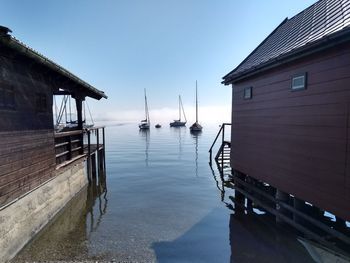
(283, 198)
(299, 205)
(93, 166)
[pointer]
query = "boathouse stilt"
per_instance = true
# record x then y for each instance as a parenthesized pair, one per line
(284, 198)
(95, 152)
(299, 205)
(239, 197)
(93, 166)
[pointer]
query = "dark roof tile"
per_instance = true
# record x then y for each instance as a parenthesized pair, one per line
(321, 19)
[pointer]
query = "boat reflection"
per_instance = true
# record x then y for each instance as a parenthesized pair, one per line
(180, 133)
(146, 135)
(195, 136)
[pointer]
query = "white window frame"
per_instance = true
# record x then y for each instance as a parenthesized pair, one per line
(299, 87)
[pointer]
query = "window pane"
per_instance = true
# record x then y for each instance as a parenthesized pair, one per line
(299, 82)
(248, 93)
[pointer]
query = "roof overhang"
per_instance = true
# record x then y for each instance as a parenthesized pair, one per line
(322, 44)
(14, 44)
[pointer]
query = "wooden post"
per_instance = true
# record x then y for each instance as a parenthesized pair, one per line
(69, 156)
(299, 205)
(79, 105)
(340, 223)
(89, 158)
(93, 166)
(100, 162)
(98, 153)
(284, 198)
(239, 197)
(104, 150)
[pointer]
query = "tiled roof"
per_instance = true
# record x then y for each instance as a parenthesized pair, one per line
(322, 19)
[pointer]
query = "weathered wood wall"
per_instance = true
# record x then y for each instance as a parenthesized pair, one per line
(26, 161)
(298, 141)
(28, 81)
(27, 153)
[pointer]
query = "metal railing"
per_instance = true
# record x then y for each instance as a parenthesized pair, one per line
(222, 132)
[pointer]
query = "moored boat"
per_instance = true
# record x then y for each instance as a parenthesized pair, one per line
(145, 124)
(196, 127)
(179, 123)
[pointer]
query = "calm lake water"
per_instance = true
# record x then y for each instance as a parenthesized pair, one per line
(160, 203)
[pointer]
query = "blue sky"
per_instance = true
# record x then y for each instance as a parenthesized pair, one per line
(122, 47)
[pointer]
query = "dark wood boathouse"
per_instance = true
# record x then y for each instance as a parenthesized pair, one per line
(40, 168)
(291, 108)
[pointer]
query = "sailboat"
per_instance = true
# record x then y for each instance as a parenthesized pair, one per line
(179, 123)
(145, 124)
(196, 127)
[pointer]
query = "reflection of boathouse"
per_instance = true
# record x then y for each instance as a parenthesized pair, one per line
(40, 170)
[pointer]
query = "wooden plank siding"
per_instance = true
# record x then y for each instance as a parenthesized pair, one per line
(27, 159)
(298, 141)
(27, 152)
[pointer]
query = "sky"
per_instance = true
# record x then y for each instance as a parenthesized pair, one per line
(125, 46)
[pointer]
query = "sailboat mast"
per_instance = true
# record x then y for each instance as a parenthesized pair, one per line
(182, 107)
(145, 104)
(196, 104)
(179, 108)
(146, 109)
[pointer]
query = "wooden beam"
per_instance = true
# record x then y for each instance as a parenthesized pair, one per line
(61, 92)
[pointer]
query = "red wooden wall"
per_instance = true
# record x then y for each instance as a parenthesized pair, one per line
(298, 141)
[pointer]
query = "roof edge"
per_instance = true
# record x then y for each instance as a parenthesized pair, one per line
(265, 39)
(14, 43)
(332, 40)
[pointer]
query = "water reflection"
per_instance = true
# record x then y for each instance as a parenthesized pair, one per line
(97, 193)
(180, 132)
(254, 232)
(219, 184)
(255, 238)
(195, 136)
(146, 135)
(69, 234)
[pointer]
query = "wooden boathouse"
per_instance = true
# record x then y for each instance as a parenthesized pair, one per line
(40, 169)
(291, 109)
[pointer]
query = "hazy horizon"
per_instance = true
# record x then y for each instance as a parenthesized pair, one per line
(163, 46)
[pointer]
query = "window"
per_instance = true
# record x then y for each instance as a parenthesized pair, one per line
(248, 93)
(299, 82)
(7, 98)
(41, 102)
